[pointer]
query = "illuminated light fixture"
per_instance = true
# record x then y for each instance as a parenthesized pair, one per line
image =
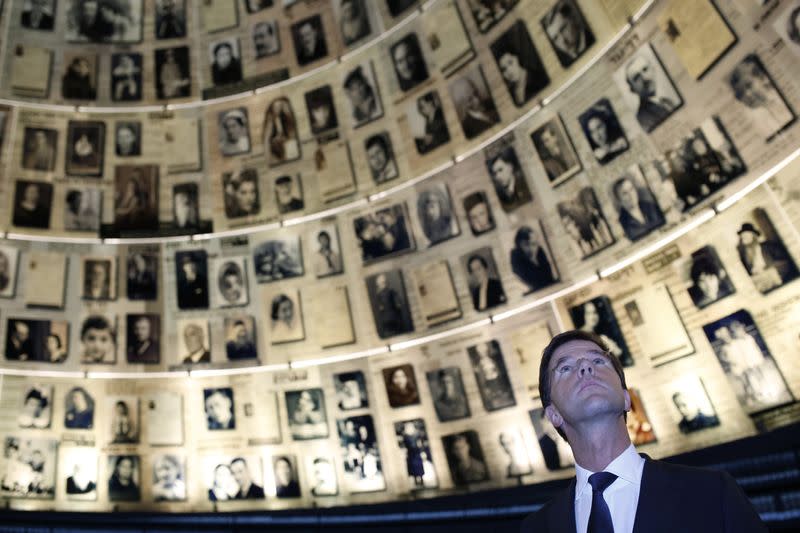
(545, 299)
(411, 182)
(147, 240)
(338, 358)
(41, 373)
(396, 347)
(52, 239)
(120, 110)
(701, 218)
(724, 204)
(212, 372)
(323, 214)
(644, 9)
(236, 232)
(138, 375)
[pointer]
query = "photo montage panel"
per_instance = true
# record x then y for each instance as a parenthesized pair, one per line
(401, 385)
(603, 131)
(278, 259)
(351, 390)
(46, 341)
(568, 32)
(506, 174)
(485, 287)
(556, 452)
(763, 253)
(465, 458)
(473, 101)
(191, 273)
(531, 258)
(555, 150)
(390, 307)
(692, 409)
(709, 279)
(384, 233)
(637, 209)
(45, 280)
(747, 363)
(305, 410)
(448, 393)
(583, 221)
(597, 316)
(491, 375)
(519, 64)
(363, 468)
(412, 438)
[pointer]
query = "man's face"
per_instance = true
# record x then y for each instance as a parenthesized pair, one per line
(530, 245)
(641, 77)
(142, 329)
(565, 32)
(751, 88)
(193, 338)
(89, 11)
(218, 407)
(405, 62)
(240, 473)
(626, 193)
(40, 139)
(376, 157)
(308, 38)
(233, 129)
(399, 379)
(709, 284)
(747, 237)
(246, 196)
(687, 408)
(510, 68)
(461, 449)
(283, 472)
(502, 173)
(550, 142)
(479, 217)
(357, 91)
(324, 242)
(223, 57)
(31, 194)
(597, 131)
(97, 343)
(125, 140)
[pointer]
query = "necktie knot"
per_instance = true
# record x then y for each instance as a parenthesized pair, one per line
(600, 481)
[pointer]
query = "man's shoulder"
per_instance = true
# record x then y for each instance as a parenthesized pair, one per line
(698, 479)
(551, 516)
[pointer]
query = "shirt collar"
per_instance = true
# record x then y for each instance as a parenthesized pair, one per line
(627, 466)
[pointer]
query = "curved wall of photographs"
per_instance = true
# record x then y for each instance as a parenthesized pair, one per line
(265, 255)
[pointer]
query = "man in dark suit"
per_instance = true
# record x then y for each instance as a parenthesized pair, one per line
(248, 490)
(638, 215)
(584, 395)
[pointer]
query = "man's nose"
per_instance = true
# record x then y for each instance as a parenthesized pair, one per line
(585, 366)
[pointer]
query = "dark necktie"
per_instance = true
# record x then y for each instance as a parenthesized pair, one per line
(600, 516)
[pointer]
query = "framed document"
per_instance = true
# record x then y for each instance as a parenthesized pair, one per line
(182, 143)
(334, 166)
(45, 279)
(261, 422)
(164, 418)
(219, 15)
(30, 71)
(436, 293)
(448, 39)
(331, 316)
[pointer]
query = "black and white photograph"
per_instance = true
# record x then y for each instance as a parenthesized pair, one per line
(426, 122)
(646, 87)
(531, 258)
(380, 157)
(128, 139)
(9, 264)
(507, 175)
(266, 38)
(487, 13)
(169, 478)
(240, 338)
(126, 77)
(568, 31)
(287, 484)
(485, 288)
(35, 410)
(39, 148)
(351, 390)
(170, 19)
(603, 131)
(327, 251)
(448, 393)
(412, 438)
(637, 209)
(124, 416)
(240, 193)
(173, 72)
(98, 339)
(225, 58)
(401, 385)
(85, 148)
(36, 340)
(436, 214)
(709, 279)
(90, 21)
(363, 95)
(436, 295)
(390, 308)
(519, 64)
(281, 140)
(363, 468)
(556, 151)
(78, 409)
(465, 458)
(234, 131)
(30, 468)
(306, 414)
(473, 101)
(597, 316)
(409, 62)
(79, 80)
(743, 354)
(321, 474)
(185, 206)
(787, 25)
(219, 408)
(398, 7)
(194, 341)
(763, 254)
(353, 20)
(491, 375)
(279, 258)
(33, 201)
(191, 273)
(38, 15)
(124, 481)
(583, 222)
(479, 213)
(384, 233)
(143, 338)
(555, 450)
(321, 110)
(142, 274)
(136, 198)
(731, 164)
(99, 278)
(233, 478)
(692, 409)
(308, 36)
(763, 105)
(285, 317)
(517, 462)
(79, 471)
(229, 287)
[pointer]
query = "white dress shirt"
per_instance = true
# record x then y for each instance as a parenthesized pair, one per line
(622, 496)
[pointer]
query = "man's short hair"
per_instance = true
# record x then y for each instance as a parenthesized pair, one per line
(619, 182)
(239, 460)
(95, 322)
(356, 75)
(284, 180)
(703, 266)
(378, 140)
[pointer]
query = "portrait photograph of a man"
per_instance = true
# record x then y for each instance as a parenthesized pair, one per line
(568, 31)
(637, 210)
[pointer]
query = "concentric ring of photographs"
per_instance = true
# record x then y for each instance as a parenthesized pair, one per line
(709, 279)
(519, 64)
(277, 259)
(401, 385)
(436, 214)
(117, 22)
(531, 258)
(383, 233)
(603, 131)
(30, 468)
(124, 412)
(98, 337)
(9, 264)
(412, 438)
(568, 32)
(597, 316)
(363, 468)
(230, 276)
(220, 409)
(233, 478)
(305, 410)
(640, 430)
(473, 101)
(351, 390)
(363, 94)
(389, 302)
(79, 465)
(465, 458)
(321, 474)
(191, 273)
(449, 397)
(763, 253)
(36, 407)
(637, 210)
(37, 340)
(751, 371)
(584, 223)
(693, 410)
(556, 151)
(555, 450)
(490, 372)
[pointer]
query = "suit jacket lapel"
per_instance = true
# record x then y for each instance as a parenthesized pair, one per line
(651, 495)
(561, 506)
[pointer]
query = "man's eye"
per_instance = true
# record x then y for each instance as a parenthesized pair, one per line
(599, 361)
(563, 369)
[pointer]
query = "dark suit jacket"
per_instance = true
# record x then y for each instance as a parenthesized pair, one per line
(672, 498)
(494, 294)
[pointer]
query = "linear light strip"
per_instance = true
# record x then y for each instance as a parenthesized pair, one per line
(747, 189)
(306, 363)
(396, 347)
(41, 373)
(541, 301)
(323, 214)
(138, 375)
(52, 239)
(410, 183)
(212, 372)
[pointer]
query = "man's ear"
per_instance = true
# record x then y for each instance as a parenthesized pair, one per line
(627, 396)
(553, 416)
